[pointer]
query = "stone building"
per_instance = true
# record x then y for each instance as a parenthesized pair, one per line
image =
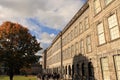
(89, 45)
(43, 61)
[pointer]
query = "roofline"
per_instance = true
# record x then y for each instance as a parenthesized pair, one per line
(76, 16)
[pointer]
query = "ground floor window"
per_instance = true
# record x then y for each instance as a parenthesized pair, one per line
(105, 68)
(117, 66)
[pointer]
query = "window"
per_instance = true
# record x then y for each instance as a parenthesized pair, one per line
(81, 47)
(68, 38)
(113, 26)
(81, 27)
(105, 68)
(76, 48)
(108, 1)
(69, 52)
(75, 31)
(63, 41)
(72, 50)
(86, 23)
(117, 66)
(64, 54)
(73, 34)
(101, 35)
(97, 6)
(88, 43)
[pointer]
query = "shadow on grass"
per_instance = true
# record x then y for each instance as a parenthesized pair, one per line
(3, 77)
(18, 77)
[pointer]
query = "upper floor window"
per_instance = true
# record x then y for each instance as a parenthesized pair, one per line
(81, 47)
(97, 6)
(108, 1)
(63, 52)
(86, 23)
(113, 26)
(75, 31)
(68, 39)
(81, 27)
(72, 50)
(64, 40)
(69, 52)
(101, 35)
(88, 44)
(71, 34)
(76, 48)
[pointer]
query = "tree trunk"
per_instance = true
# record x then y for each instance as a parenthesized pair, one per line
(11, 77)
(11, 73)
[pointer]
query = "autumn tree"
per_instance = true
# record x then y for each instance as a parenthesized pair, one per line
(17, 47)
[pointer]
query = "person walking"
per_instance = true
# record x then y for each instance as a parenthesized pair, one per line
(38, 77)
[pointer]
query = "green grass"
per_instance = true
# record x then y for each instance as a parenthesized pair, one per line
(18, 78)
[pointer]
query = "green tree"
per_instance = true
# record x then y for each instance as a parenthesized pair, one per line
(17, 47)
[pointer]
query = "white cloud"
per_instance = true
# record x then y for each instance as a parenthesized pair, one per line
(47, 38)
(54, 14)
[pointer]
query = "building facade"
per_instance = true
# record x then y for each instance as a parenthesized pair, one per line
(89, 45)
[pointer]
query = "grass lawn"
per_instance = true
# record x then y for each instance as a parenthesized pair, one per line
(18, 78)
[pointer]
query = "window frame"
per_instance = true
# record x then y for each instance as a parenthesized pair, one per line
(95, 9)
(82, 47)
(88, 44)
(101, 64)
(116, 71)
(102, 33)
(86, 23)
(108, 2)
(80, 27)
(113, 26)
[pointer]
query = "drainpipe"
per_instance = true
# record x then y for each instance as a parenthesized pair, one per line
(61, 57)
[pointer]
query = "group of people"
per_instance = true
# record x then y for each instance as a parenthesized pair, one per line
(47, 76)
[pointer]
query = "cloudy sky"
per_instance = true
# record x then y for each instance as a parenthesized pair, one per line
(44, 18)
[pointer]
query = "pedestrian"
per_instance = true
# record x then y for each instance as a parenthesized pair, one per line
(43, 76)
(54, 76)
(57, 76)
(38, 76)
